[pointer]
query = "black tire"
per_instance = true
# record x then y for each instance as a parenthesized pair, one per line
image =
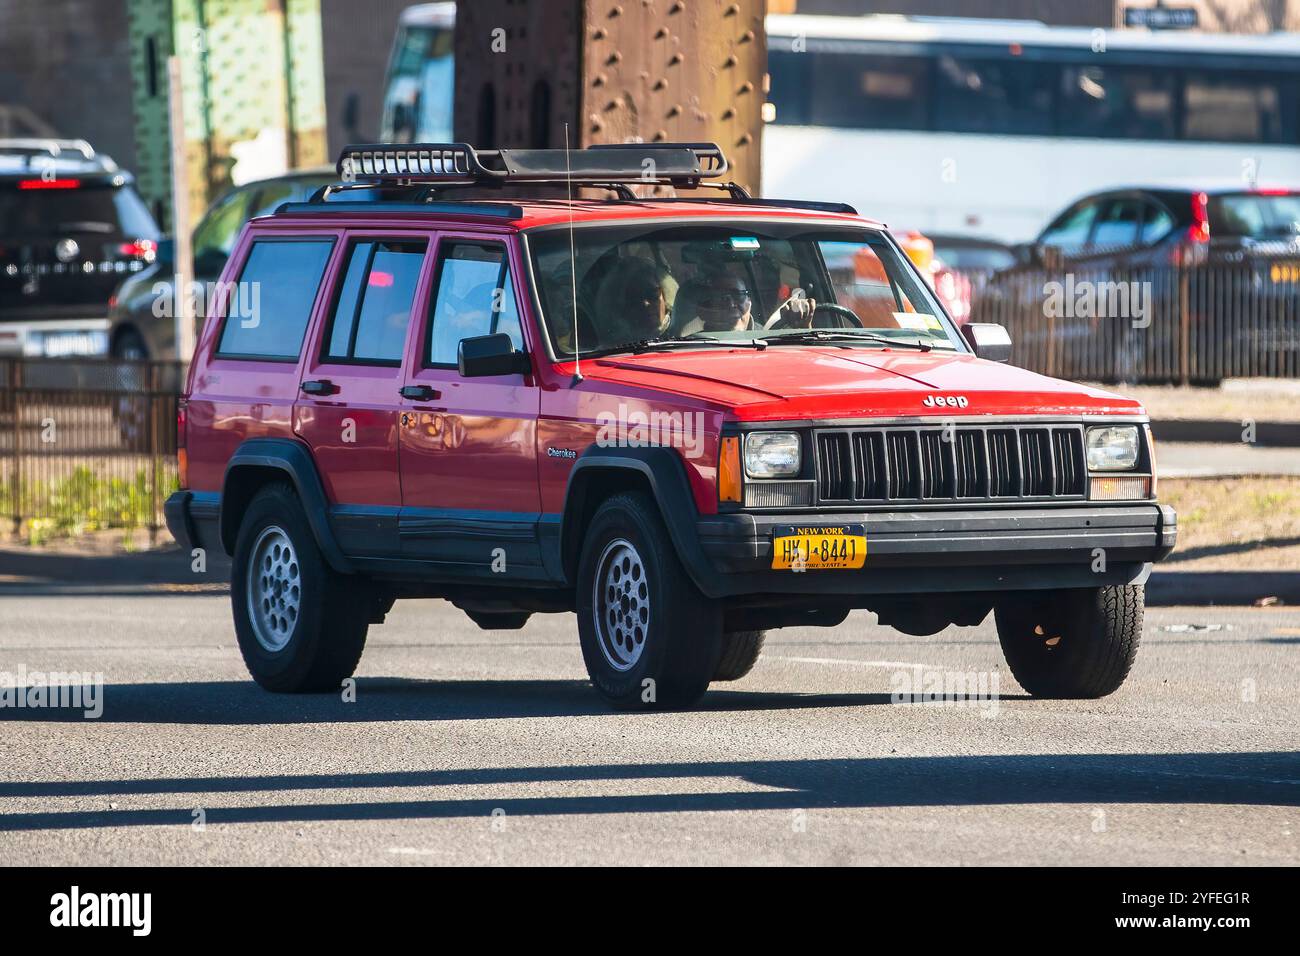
(680, 642)
(1072, 644)
(740, 652)
(323, 639)
(131, 409)
(129, 346)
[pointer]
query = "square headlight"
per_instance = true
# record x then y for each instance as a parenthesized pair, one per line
(1113, 448)
(772, 454)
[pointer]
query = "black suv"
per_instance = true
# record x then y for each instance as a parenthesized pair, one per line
(72, 227)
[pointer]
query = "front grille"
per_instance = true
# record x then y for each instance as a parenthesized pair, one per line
(953, 463)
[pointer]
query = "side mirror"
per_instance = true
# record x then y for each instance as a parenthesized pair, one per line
(988, 340)
(491, 355)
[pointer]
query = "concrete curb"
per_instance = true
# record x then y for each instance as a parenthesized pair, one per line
(1228, 432)
(1200, 588)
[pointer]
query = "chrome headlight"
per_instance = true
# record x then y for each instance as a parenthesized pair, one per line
(772, 454)
(1113, 448)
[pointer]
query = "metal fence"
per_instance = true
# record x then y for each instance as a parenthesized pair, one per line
(86, 444)
(1194, 324)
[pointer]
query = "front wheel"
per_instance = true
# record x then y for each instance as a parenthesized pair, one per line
(649, 637)
(1072, 644)
(301, 625)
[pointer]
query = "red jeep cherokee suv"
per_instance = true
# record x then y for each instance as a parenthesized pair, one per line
(688, 420)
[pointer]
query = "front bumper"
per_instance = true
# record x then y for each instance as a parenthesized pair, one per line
(941, 551)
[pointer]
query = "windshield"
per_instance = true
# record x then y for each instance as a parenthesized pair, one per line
(663, 286)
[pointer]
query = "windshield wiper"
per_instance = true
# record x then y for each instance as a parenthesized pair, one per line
(843, 335)
(666, 345)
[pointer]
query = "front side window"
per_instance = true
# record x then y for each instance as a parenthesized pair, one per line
(268, 310)
(663, 286)
(214, 239)
(1118, 226)
(1070, 230)
(475, 297)
(373, 306)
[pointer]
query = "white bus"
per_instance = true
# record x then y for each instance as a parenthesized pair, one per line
(418, 91)
(961, 126)
(992, 127)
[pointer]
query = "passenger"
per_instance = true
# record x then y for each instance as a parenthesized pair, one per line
(631, 305)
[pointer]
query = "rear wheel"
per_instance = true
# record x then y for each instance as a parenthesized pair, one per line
(740, 652)
(649, 637)
(301, 625)
(1072, 644)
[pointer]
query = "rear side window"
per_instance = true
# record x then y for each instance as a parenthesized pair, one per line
(475, 297)
(373, 307)
(268, 310)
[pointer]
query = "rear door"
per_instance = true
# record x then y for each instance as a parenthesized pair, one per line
(468, 445)
(348, 397)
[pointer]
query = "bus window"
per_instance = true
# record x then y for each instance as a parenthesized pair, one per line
(873, 92)
(993, 96)
(1237, 109)
(1123, 102)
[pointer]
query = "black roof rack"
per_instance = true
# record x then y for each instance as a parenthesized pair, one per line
(415, 177)
(614, 166)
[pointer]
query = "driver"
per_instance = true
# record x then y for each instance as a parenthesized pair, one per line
(723, 303)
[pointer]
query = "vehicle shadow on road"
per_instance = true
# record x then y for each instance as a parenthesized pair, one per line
(1232, 779)
(380, 699)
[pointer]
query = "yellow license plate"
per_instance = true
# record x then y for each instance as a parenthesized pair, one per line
(796, 548)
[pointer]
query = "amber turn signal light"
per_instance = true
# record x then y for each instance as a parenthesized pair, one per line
(729, 469)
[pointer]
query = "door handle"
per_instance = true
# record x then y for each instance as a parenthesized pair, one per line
(321, 386)
(419, 393)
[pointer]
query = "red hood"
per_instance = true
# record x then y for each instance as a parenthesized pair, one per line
(825, 383)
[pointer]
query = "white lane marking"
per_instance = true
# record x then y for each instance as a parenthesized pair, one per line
(893, 665)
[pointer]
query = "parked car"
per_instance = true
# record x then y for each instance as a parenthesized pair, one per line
(140, 328)
(972, 255)
(690, 421)
(72, 227)
(1237, 247)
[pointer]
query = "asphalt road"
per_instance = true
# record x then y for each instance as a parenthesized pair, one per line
(464, 746)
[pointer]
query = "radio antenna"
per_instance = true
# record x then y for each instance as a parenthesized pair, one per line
(573, 262)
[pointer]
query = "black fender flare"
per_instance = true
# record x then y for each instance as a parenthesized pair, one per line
(664, 472)
(293, 459)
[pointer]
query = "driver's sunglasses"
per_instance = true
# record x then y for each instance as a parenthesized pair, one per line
(720, 300)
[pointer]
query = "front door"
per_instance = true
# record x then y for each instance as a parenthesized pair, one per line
(468, 445)
(348, 403)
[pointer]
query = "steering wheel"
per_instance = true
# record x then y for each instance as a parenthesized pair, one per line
(835, 317)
